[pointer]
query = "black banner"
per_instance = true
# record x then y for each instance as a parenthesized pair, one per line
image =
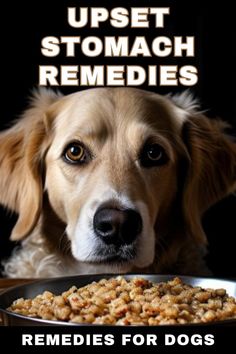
(96, 339)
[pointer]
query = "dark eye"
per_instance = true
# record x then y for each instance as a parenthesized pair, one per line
(76, 153)
(153, 155)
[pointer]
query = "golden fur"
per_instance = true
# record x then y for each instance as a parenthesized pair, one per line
(50, 195)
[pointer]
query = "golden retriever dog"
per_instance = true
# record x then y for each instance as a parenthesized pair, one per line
(112, 180)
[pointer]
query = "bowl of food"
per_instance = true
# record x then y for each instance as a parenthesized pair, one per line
(125, 300)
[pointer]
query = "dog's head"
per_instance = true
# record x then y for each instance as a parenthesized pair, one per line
(117, 165)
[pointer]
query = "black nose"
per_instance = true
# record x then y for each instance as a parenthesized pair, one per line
(116, 226)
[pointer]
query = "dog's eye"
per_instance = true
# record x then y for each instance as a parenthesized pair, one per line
(76, 153)
(153, 155)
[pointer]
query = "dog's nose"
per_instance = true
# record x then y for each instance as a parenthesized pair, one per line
(116, 226)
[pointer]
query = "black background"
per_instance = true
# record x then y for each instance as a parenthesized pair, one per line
(24, 24)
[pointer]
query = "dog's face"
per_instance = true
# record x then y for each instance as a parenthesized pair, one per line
(112, 171)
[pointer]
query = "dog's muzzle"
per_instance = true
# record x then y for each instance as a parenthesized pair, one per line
(117, 227)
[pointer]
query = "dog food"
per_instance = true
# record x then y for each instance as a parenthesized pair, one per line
(117, 301)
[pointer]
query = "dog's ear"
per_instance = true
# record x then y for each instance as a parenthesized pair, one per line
(211, 172)
(21, 151)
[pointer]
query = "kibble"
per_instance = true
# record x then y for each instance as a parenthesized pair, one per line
(118, 301)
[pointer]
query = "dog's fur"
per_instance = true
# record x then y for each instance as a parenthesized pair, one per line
(56, 201)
